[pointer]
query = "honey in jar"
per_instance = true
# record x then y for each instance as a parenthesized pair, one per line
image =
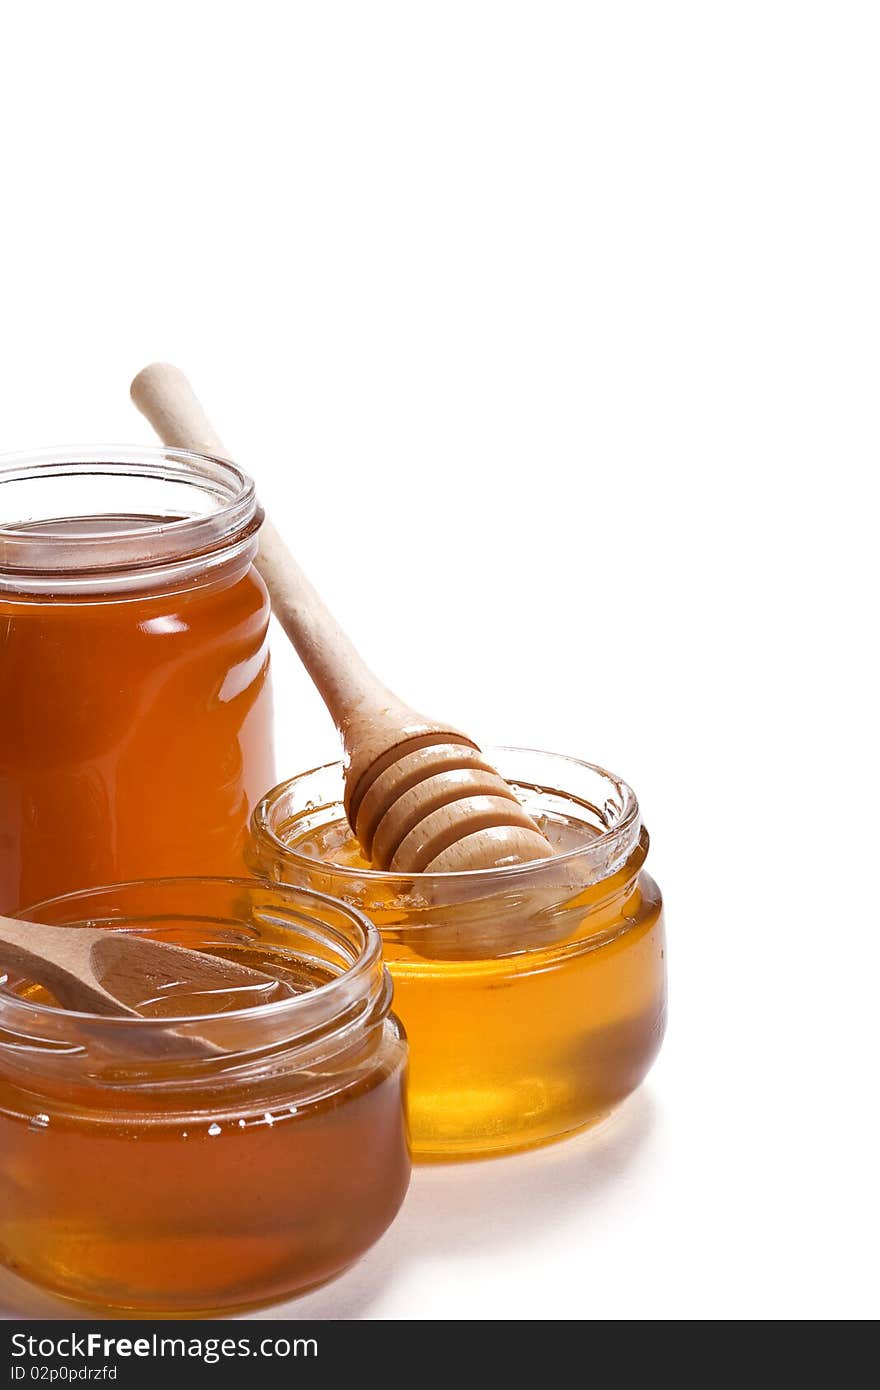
(138, 1175)
(534, 995)
(135, 707)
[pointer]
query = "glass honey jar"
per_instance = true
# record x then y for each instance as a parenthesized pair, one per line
(231, 1147)
(534, 995)
(135, 705)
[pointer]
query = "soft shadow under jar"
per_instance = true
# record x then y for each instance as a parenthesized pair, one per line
(227, 1149)
(534, 996)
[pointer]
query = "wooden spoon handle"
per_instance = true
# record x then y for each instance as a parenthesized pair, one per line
(163, 394)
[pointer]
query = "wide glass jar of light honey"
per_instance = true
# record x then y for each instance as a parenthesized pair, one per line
(231, 1147)
(534, 996)
(135, 707)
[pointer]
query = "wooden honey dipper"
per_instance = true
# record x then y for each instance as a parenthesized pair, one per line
(419, 795)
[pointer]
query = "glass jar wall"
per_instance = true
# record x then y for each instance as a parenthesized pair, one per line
(221, 1151)
(135, 707)
(534, 996)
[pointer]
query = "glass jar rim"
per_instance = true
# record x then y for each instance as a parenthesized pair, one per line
(624, 833)
(367, 964)
(37, 554)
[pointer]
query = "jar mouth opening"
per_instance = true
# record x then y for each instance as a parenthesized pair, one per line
(80, 514)
(355, 979)
(621, 831)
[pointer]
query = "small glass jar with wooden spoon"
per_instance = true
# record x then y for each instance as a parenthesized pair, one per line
(229, 1134)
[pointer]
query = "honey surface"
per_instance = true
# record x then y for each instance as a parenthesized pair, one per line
(135, 736)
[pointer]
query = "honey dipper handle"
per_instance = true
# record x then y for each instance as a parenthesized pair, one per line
(347, 686)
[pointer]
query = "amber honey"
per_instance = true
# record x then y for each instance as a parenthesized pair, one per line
(135, 708)
(534, 997)
(168, 1183)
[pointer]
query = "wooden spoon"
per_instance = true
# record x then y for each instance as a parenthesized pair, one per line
(419, 795)
(93, 971)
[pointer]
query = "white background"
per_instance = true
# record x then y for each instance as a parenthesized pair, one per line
(552, 335)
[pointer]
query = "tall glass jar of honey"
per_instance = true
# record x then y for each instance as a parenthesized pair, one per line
(135, 705)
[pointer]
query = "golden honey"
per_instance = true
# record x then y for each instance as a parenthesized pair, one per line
(135, 707)
(534, 997)
(135, 1175)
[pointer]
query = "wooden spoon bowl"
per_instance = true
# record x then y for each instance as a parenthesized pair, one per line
(95, 971)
